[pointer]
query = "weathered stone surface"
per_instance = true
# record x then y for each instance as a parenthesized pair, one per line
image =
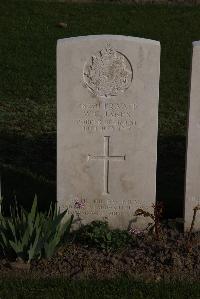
(108, 90)
(192, 194)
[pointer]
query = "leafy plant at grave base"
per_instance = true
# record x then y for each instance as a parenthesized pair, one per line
(195, 210)
(190, 240)
(32, 235)
(98, 234)
(156, 217)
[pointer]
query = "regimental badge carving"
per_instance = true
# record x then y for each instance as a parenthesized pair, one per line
(107, 73)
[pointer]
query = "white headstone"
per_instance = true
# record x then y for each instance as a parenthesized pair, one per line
(192, 190)
(107, 95)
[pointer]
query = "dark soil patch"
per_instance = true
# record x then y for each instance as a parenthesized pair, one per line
(148, 259)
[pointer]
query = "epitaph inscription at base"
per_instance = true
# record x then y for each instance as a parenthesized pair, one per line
(107, 100)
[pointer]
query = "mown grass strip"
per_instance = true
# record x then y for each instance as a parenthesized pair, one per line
(115, 289)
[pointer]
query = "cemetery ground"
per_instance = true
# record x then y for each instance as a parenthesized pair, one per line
(28, 149)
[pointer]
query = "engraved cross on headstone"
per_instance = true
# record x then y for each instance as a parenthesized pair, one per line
(106, 158)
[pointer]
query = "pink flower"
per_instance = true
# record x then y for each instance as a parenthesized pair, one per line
(79, 203)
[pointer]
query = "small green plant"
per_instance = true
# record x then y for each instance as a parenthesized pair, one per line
(32, 235)
(98, 234)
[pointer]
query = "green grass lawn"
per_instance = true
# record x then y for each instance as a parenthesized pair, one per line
(28, 56)
(28, 38)
(115, 289)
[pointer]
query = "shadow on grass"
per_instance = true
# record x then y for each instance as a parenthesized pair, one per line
(38, 176)
(37, 156)
(23, 187)
(171, 174)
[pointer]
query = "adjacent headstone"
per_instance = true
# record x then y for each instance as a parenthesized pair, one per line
(107, 95)
(192, 194)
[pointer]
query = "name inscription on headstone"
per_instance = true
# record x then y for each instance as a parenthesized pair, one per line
(106, 117)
